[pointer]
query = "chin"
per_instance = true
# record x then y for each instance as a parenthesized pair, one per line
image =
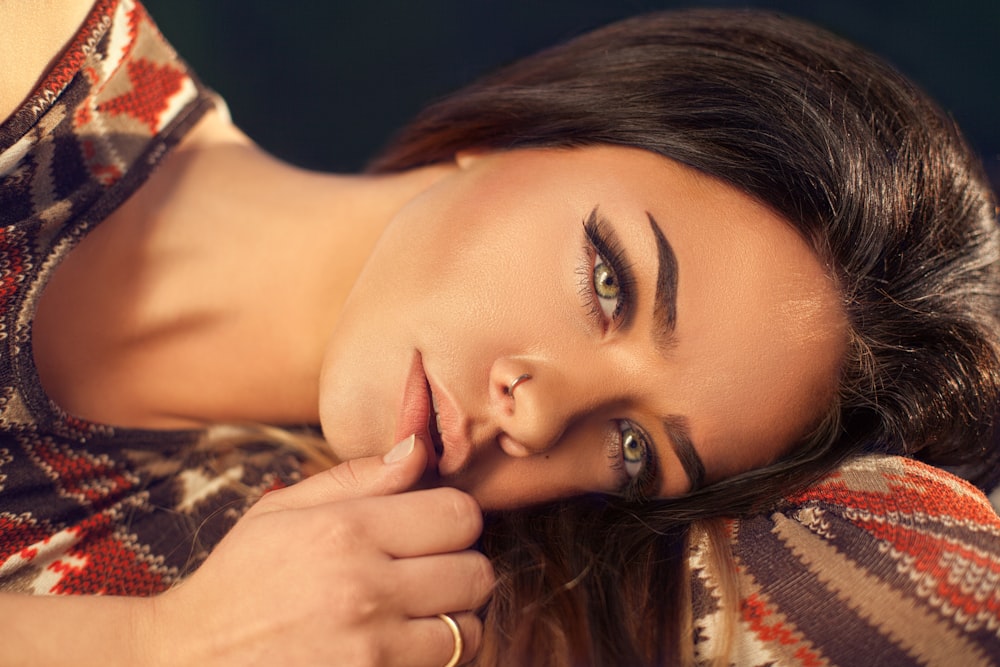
(345, 444)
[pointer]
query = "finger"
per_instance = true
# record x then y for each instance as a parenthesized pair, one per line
(430, 642)
(428, 584)
(417, 523)
(357, 478)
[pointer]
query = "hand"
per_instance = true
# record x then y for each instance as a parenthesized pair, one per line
(334, 571)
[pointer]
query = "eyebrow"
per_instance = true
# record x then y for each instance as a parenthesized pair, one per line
(664, 326)
(665, 305)
(679, 435)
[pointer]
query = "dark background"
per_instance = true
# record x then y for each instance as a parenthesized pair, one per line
(324, 84)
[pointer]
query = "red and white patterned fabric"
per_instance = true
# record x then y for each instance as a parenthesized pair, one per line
(84, 507)
(886, 561)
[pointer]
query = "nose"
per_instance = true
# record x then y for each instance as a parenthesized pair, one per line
(533, 405)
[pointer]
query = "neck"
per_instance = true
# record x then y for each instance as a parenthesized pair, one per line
(292, 273)
(245, 265)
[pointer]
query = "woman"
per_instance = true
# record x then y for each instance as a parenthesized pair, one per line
(619, 287)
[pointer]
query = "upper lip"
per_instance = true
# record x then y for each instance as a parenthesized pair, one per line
(428, 411)
(415, 412)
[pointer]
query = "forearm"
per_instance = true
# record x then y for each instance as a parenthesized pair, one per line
(75, 630)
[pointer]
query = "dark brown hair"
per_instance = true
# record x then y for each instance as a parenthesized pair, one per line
(869, 171)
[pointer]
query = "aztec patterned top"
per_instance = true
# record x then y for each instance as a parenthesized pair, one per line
(86, 508)
(886, 561)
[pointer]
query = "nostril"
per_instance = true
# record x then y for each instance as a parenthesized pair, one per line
(500, 395)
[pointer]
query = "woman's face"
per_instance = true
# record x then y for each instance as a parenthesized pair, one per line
(659, 313)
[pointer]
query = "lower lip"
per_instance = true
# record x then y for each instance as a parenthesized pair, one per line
(414, 413)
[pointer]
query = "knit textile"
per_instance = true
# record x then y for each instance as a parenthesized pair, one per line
(84, 507)
(885, 561)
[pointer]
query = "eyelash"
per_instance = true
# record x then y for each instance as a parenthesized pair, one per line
(601, 242)
(643, 486)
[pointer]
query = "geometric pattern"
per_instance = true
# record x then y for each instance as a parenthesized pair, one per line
(885, 561)
(86, 507)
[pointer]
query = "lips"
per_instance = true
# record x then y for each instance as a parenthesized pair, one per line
(451, 429)
(415, 411)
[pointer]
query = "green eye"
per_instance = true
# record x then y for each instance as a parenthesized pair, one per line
(605, 281)
(607, 289)
(633, 449)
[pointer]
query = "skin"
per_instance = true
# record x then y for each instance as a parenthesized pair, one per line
(100, 333)
(483, 276)
(33, 34)
(381, 561)
(170, 288)
(177, 312)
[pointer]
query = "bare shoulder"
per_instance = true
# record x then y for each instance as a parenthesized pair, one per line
(32, 35)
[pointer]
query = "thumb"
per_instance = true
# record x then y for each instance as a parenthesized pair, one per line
(397, 471)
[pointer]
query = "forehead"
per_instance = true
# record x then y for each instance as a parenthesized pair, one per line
(760, 327)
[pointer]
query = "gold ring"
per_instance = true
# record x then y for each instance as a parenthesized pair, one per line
(457, 633)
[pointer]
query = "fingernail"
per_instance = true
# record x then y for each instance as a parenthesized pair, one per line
(402, 449)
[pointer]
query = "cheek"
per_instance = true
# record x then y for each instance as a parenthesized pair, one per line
(577, 465)
(504, 282)
(512, 483)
